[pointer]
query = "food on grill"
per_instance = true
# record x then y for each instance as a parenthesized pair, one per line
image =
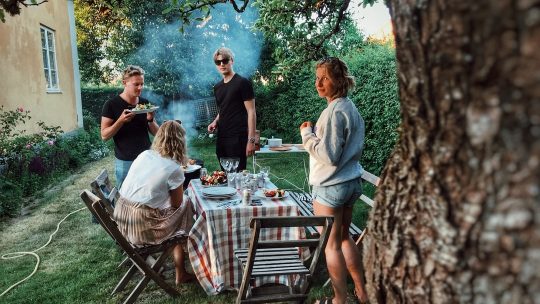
(216, 178)
(274, 192)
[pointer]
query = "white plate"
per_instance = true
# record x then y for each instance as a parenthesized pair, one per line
(214, 185)
(260, 194)
(144, 110)
(191, 168)
(218, 191)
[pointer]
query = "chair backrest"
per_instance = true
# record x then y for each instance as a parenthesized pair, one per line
(102, 187)
(317, 245)
(258, 223)
(372, 179)
(105, 219)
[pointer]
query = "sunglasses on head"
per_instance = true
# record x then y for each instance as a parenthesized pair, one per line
(224, 61)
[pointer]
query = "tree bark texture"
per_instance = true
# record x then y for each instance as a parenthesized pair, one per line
(457, 217)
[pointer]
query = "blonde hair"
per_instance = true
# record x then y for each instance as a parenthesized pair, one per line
(339, 73)
(225, 53)
(132, 70)
(170, 141)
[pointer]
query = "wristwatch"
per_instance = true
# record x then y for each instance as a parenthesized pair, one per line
(251, 140)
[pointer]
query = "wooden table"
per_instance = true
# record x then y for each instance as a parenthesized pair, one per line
(221, 227)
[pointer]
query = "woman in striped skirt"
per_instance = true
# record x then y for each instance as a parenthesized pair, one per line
(152, 208)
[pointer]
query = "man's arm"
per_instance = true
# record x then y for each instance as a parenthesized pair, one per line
(212, 126)
(252, 125)
(109, 127)
(152, 124)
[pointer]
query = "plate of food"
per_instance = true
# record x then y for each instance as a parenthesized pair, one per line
(143, 108)
(191, 168)
(217, 178)
(271, 193)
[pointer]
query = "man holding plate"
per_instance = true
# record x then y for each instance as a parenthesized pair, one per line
(128, 129)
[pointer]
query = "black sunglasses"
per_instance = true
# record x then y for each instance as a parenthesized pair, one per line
(224, 61)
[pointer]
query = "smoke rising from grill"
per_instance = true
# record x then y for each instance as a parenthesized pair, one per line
(182, 62)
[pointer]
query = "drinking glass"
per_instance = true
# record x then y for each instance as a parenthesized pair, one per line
(231, 179)
(235, 162)
(226, 163)
(204, 173)
(265, 171)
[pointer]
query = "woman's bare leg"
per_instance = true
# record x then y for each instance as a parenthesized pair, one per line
(182, 276)
(335, 261)
(352, 255)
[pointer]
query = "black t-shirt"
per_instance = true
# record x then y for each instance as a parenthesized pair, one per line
(230, 99)
(132, 138)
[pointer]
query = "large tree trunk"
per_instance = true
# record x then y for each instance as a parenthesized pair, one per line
(457, 218)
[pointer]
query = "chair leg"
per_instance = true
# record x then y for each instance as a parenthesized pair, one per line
(125, 262)
(153, 275)
(125, 279)
(156, 268)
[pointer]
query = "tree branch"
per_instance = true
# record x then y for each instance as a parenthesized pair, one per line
(241, 10)
(336, 28)
(23, 2)
(200, 5)
(14, 7)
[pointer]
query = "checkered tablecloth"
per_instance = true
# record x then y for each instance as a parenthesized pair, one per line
(220, 229)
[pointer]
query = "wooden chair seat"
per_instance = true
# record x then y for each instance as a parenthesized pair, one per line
(148, 259)
(274, 261)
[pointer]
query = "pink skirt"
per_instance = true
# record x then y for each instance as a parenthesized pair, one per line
(142, 225)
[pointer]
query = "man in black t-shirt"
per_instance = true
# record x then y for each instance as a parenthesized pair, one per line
(236, 120)
(128, 130)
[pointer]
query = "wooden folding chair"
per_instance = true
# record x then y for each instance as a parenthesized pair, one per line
(147, 259)
(280, 257)
(103, 188)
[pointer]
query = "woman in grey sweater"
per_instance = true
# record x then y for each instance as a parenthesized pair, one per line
(335, 146)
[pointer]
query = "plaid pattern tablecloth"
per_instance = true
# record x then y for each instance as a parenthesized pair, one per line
(219, 230)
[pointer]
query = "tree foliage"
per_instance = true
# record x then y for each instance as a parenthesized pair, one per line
(300, 29)
(112, 31)
(13, 7)
(177, 64)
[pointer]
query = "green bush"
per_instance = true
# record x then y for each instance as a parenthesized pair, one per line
(282, 107)
(10, 197)
(30, 162)
(376, 97)
(94, 98)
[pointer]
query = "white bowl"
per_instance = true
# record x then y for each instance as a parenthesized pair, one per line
(274, 142)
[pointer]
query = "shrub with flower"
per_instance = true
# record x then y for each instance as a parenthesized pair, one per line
(28, 162)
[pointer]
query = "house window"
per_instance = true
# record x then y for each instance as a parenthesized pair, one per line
(48, 50)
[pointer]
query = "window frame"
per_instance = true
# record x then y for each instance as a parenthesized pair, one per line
(50, 73)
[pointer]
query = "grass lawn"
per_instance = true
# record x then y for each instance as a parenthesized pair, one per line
(80, 264)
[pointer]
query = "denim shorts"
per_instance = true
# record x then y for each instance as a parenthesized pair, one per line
(338, 195)
(121, 168)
